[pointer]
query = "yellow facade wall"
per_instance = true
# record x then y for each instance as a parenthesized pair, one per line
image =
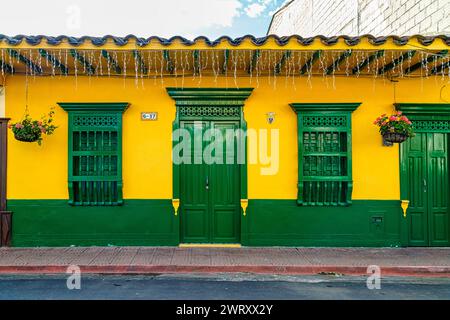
(40, 172)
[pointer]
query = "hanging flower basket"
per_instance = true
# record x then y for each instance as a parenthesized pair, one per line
(29, 130)
(395, 137)
(395, 128)
(23, 136)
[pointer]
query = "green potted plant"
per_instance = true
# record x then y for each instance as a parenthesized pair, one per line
(395, 128)
(29, 130)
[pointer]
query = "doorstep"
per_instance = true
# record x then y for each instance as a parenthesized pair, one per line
(210, 245)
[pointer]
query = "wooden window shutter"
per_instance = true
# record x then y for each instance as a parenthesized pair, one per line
(95, 154)
(324, 154)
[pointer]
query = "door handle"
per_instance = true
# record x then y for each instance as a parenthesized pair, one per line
(424, 185)
(207, 183)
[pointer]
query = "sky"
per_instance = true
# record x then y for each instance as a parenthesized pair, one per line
(144, 18)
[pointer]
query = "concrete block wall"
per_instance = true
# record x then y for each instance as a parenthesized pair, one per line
(357, 17)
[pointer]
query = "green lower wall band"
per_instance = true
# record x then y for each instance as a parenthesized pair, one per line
(284, 223)
(55, 223)
(153, 223)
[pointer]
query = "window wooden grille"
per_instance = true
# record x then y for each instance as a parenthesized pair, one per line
(324, 146)
(95, 157)
(208, 111)
(431, 125)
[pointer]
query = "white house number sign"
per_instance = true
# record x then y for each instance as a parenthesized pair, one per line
(149, 116)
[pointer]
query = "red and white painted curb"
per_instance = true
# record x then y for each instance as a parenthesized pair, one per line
(406, 271)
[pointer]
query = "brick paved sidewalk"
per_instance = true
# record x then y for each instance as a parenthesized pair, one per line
(147, 260)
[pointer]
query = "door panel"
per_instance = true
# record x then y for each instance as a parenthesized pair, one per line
(417, 229)
(225, 187)
(193, 197)
(210, 206)
(427, 183)
(416, 174)
(438, 189)
(225, 226)
(195, 224)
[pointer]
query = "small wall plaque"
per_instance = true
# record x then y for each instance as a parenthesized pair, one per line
(149, 116)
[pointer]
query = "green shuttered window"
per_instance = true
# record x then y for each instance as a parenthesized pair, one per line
(95, 153)
(324, 148)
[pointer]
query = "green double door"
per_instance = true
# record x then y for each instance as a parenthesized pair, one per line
(210, 184)
(425, 182)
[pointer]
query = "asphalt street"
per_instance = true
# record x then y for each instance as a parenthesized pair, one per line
(221, 287)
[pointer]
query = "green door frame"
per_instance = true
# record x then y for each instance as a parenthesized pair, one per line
(426, 113)
(210, 97)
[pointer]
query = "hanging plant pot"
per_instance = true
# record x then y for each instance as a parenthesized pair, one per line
(27, 137)
(395, 128)
(29, 130)
(395, 137)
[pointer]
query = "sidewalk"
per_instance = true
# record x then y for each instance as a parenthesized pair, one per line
(154, 260)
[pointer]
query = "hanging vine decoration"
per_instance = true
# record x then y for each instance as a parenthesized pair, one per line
(230, 64)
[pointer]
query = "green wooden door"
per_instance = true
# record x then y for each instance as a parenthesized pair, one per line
(425, 175)
(210, 195)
